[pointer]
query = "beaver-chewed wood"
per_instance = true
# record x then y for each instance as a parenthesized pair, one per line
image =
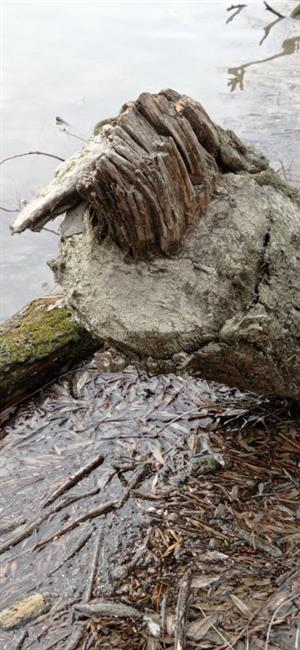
(154, 180)
(146, 175)
(211, 282)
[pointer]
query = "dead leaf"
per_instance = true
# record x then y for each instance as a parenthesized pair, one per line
(201, 582)
(241, 606)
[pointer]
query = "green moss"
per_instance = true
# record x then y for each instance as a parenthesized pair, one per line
(271, 178)
(37, 344)
(37, 334)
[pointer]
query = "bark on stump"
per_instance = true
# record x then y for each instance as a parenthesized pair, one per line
(185, 250)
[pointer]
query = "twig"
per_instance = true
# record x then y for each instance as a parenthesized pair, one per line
(268, 28)
(273, 11)
(21, 640)
(89, 589)
(163, 610)
(96, 512)
(73, 135)
(10, 525)
(228, 644)
(235, 7)
(23, 533)
(73, 644)
(75, 639)
(105, 507)
(32, 153)
(238, 9)
(259, 610)
(8, 210)
(182, 611)
(55, 643)
(81, 543)
(152, 496)
(74, 479)
(50, 230)
(140, 473)
(275, 614)
(72, 498)
(258, 542)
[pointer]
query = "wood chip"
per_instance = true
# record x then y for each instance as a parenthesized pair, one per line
(23, 611)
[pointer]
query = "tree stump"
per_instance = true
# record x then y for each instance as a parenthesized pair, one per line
(180, 246)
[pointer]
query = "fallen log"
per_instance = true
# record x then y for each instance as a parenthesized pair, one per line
(180, 246)
(36, 345)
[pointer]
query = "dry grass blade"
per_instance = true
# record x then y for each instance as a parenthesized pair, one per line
(242, 607)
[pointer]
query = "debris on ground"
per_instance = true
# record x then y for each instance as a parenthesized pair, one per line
(150, 512)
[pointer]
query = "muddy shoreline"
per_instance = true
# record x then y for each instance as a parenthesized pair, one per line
(117, 487)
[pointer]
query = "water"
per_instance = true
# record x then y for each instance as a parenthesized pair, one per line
(82, 61)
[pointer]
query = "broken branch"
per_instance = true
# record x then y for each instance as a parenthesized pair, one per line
(182, 610)
(74, 479)
(273, 11)
(31, 153)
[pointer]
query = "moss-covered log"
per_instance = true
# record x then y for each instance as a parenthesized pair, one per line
(36, 345)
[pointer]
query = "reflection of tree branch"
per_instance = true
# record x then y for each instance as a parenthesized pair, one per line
(269, 8)
(268, 28)
(237, 79)
(296, 13)
(289, 46)
(238, 8)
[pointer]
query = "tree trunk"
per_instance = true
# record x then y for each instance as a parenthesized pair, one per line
(185, 250)
(37, 344)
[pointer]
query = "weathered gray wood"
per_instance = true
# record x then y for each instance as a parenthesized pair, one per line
(61, 194)
(147, 175)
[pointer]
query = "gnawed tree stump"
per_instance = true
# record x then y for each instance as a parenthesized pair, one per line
(147, 175)
(185, 252)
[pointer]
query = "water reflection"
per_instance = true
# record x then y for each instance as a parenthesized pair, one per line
(238, 9)
(96, 55)
(289, 46)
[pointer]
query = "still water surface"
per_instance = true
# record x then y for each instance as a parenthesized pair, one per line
(82, 61)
